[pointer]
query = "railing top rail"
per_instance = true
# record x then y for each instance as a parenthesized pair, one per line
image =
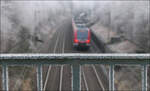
(74, 56)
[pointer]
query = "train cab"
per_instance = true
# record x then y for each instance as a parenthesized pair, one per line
(82, 38)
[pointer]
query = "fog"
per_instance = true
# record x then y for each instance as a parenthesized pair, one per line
(130, 19)
(22, 20)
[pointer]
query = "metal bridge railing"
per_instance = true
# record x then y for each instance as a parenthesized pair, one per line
(75, 60)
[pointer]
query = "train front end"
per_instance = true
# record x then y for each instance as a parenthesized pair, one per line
(82, 38)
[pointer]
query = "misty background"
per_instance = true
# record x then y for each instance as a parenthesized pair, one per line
(25, 25)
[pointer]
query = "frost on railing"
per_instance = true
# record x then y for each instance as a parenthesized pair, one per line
(75, 60)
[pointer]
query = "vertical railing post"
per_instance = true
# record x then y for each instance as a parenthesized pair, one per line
(144, 77)
(76, 77)
(39, 78)
(111, 77)
(5, 77)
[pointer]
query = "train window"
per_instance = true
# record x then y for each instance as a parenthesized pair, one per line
(81, 25)
(82, 34)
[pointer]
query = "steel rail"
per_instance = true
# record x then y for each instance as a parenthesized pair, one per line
(86, 85)
(47, 76)
(94, 47)
(98, 78)
(54, 51)
(49, 67)
(61, 69)
(61, 77)
(63, 48)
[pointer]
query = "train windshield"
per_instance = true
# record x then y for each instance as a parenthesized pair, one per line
(82, 34)
(81, 26)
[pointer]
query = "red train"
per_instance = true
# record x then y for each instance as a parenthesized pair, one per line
(81, 35)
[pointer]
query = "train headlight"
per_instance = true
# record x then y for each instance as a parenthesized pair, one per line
(87, 41)
(76, 41)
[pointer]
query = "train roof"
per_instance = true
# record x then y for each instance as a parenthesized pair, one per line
(85, 28)
(81, 25)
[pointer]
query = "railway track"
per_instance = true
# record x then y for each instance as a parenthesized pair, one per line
(59, 77)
